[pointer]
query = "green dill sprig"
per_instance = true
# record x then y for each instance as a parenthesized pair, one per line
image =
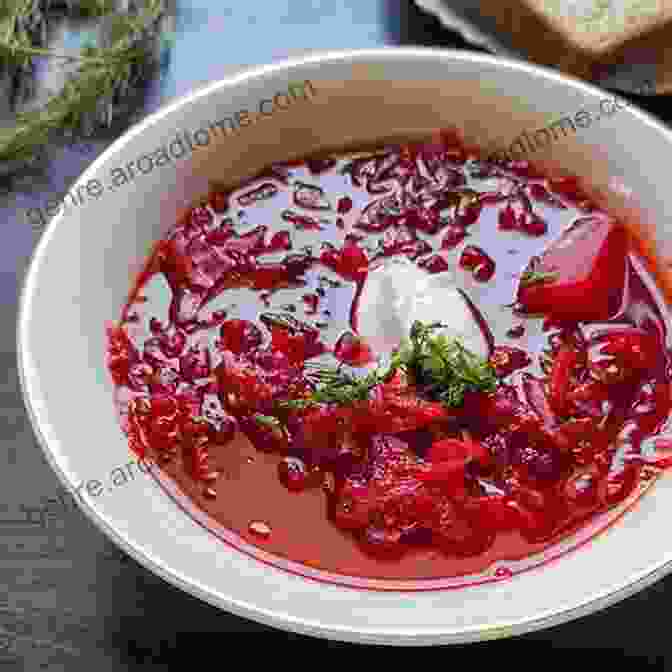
(442, 367)
(335, 386)
(339, 387)
(267, 420)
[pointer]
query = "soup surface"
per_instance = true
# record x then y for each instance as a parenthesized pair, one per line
(406, 364)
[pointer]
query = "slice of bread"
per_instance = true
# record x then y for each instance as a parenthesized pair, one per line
(599, 26)
(586, 37)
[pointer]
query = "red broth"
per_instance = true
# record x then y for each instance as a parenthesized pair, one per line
(252, 288)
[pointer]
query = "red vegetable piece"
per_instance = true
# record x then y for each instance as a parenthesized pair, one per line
(434, 264)
(195, 363)
(240, 383)
(320, 165)
(280, 241)
(533, 225)
(450, 474)
(621, 484)
(541, 525)
(585, 487)
(506, 359)
(424, 219)
(507, 218)
(583, 273)
(270, 276)
(495, 512)
(392, 415)
(570, 187)
(122, 354)
(535, 396)
(352, 508)
(462, 535)
(199, 218)
(352, 350)
(466, 450)
(267, 438)
(293, 473)
(176, 266)
(539, 193)
(239, 336)
(475, 259)
(590, 391)
(472, 256)
(623, 355)
(298, 346)
(560, 378)
(453, 236)
(499, 411)
(344, 205)
(248, 243)
(350, 262)
(650, 408)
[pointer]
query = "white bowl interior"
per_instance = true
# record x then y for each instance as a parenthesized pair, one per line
(86, 262)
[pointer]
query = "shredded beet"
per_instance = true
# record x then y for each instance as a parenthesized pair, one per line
(263, 287)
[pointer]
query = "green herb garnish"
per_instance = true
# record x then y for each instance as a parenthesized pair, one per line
(441, 366)
(334, 386)
(266, 420)
(338, 387)
(537, 277)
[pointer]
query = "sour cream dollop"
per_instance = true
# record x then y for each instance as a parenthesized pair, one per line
(397, 293)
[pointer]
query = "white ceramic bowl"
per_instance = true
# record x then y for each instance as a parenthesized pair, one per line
(85, 263)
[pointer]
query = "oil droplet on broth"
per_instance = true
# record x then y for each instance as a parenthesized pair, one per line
(259, 529)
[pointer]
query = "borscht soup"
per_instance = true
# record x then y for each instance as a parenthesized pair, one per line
(410, 363)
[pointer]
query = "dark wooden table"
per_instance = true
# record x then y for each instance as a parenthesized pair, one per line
(70, 600)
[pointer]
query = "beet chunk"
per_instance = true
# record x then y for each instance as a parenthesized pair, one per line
(581, 276)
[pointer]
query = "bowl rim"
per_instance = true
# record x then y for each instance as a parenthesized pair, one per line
(273, 617)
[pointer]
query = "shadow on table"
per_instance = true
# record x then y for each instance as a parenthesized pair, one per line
(157, 623)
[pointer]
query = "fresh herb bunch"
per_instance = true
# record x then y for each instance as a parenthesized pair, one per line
(16, 19)
(86, 8)
(22, 26)
(94, 95)
(441, 366)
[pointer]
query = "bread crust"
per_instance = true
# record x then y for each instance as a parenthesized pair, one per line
(588, 47)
